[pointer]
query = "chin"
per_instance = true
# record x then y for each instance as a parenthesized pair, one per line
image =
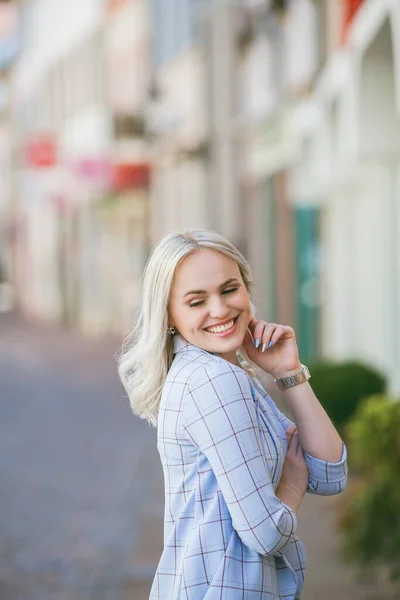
(223, 346)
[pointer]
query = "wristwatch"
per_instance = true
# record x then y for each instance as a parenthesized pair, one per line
(290, 380)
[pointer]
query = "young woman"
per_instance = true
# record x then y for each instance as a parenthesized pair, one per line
(236, 469)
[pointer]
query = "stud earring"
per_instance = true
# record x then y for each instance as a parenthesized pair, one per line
(171, 330)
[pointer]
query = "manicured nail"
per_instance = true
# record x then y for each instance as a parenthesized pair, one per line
(256, 342)
(270, 344)
(263, 347)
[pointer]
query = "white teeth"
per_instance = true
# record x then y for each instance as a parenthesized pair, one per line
(221, 328)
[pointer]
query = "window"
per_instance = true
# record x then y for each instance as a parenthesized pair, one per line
(174, 26)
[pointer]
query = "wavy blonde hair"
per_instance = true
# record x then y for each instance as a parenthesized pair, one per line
(147, 353)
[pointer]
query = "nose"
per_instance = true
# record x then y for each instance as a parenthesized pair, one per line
(218, 307)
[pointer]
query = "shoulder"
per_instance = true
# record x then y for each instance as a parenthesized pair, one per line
(219, 373)
(190, 364)
(193, 369)
(220, 395)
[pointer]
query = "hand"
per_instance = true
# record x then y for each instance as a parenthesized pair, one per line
(294, 479)
(276, 351)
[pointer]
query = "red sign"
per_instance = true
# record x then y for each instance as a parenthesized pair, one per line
(350, 9)
(128, 176)
(41, 152)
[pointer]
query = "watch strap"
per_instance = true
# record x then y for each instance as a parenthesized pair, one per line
(289, 381)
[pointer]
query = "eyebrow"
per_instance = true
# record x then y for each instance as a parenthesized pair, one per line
(231, 280)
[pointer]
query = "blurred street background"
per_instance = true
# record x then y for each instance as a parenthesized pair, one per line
(274, 122)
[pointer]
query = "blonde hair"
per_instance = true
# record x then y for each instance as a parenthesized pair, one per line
(147, 353)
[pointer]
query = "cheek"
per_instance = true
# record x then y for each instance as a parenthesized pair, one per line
(245, 303)
(191, 319)
(247, 311)
(199, 319)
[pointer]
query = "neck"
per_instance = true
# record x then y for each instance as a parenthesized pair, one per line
(230, 357)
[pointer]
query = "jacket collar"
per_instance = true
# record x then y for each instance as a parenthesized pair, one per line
(182, 345)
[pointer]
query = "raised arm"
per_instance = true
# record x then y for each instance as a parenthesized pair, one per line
(326, 478)
(273, 348)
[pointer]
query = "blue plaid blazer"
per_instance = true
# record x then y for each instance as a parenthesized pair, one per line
(222, 445)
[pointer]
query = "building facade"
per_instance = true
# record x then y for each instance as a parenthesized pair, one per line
(358, 102)
(338, 152)
(178, 119)
(83, 170)
(301, 129)
(9, 47)
(273, 122)
(61, 122)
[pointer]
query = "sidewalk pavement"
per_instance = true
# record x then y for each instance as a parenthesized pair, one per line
(81, 515)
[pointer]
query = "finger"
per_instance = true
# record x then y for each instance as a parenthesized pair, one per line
(300, 451)
(291, 429)
(281, 331)
(267, 336)
(290, 435)
(258, 333)
(275, 336)
(294, 442)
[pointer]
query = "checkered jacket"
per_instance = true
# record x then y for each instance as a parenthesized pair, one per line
(222, 444)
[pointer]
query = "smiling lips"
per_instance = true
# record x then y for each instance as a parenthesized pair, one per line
(223, 328)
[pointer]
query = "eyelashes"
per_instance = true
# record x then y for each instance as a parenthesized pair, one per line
(228, 291)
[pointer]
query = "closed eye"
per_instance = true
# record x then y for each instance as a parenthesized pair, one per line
(196, 303)
(228, 291)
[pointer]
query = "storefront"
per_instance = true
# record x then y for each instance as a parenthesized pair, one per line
(352, 174)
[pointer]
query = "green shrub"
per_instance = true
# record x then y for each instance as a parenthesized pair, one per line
(370, 514)
(341, 386)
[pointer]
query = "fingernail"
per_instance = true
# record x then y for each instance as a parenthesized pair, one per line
(270, 344)
(256, 342)
(263, 347)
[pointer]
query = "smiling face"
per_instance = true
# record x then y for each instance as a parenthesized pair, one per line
(209, 304)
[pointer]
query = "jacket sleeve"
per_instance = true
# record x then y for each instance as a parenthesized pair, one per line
(326, 478)
(220, 419)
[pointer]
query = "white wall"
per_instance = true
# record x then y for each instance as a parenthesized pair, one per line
(49, 29)
(181, 108)
(360, 271)
(86, 134)
(57, 86)
(379, 123)
(357, 142)
(178, 197)
(301, 44)
(5, 182)
(41, 296)
(395, 264)
(257, 86)
(128, 56)
(179, 190)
